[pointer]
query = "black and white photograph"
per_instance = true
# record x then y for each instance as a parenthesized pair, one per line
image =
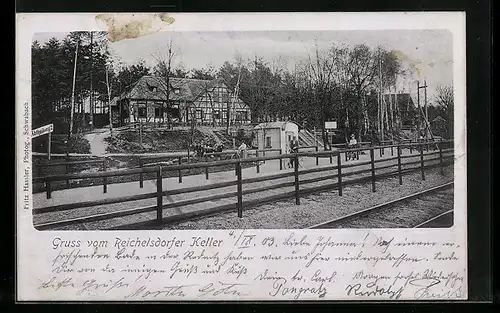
(241, 157)
(223, 130)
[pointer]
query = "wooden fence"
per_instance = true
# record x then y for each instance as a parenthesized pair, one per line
(151, 161)
(101, 162)
(333, 181)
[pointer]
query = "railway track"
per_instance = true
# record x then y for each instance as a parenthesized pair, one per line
(429, 208)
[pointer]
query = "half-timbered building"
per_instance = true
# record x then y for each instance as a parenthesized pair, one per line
(205, 102)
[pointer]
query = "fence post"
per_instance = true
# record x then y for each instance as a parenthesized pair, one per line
(372, 159)
(159, 197)
(206, 167)
(47, 187)
(296, 170)
(67, 180)
(141, 177)
(317, 158)
(239, 190)
(357, 152)
(105, 178)
(281, 160)
(258, 163)
(441, 159)
(339, 172)
(422, 160)
(399, 165)
(346, 148)
(411, 148)
(331, 156)
(264, 154)
(381, 148)
(180, 171)
(392, 146)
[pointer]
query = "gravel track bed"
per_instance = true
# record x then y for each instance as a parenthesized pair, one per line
(322, 206)
(404, 215)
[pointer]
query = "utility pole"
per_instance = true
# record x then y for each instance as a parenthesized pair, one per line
(91, 80)
(425, 105)
(109, 102)
(381, 105)
(73, 92)
(418, 107)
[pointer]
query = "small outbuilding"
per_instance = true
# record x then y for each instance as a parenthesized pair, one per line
(275, 135)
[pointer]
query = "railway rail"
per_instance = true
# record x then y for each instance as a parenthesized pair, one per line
(424, 209)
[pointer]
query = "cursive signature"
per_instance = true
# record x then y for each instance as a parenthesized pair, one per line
(94, 285)
(281, 288)
(221, 288)
(372, 289)
(426, 286)
(166, 291)
(56, 284)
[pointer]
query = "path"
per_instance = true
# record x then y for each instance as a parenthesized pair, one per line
(130, 188)
(96, 140)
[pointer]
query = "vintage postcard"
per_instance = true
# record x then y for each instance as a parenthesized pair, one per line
(198, 157)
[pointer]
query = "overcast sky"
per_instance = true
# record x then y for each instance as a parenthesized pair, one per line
(429, 50)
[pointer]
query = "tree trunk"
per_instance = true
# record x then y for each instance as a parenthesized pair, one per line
(366, 117)
(110, 113)
(360, 113)
(72, 109)
(91, 99)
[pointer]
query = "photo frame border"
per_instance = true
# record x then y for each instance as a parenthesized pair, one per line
(478, 91)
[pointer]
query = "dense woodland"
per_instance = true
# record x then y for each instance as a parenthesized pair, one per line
(341, 83)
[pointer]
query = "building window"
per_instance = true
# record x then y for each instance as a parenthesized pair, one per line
(157, 112)
(142, 112)
(268, 142)
(177, 90)
(241, 116)
(198, 114)
(173, 112)
(217, 114)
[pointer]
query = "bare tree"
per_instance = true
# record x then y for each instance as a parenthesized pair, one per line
(163, 73)
(362, 70)
(445, 102)
(321, 76)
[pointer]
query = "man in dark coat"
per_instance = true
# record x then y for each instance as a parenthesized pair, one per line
(294, 148)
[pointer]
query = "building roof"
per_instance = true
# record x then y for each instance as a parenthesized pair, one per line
(189, 89)
(268, 125)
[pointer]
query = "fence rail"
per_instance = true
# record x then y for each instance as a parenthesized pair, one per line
(149, 168)
(338, 178)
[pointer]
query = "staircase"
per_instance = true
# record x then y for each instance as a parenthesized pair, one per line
(306, 138)
(209, 134)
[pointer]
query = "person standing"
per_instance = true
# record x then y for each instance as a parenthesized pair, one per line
(352, 144)
(242, 149)
(294, 148)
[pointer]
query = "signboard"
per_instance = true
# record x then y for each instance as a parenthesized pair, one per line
(330, 125)
(47, 129)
